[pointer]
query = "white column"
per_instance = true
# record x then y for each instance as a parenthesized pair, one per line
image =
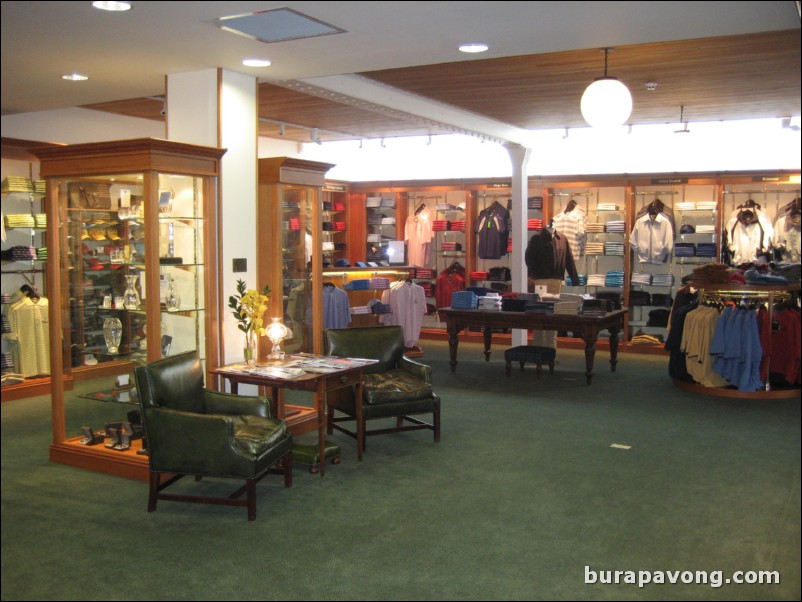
(218, 108)
(519, 157)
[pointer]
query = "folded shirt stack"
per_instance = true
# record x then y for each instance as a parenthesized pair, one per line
(16, 184)
(464, 300)
(614, 278)
(706, 249)
(358, 285)
(663, 280)
(491, 300)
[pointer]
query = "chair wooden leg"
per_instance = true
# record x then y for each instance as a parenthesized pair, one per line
(250, 485)
(153, 492)
(288, 469)
(361, 427)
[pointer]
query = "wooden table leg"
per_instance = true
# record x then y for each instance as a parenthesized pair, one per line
(590, 353)
(613, 348)
(453, 341)
(320, 408)
(488, 336)
(360, 424)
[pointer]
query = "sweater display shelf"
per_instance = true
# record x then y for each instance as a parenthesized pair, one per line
(25, 360)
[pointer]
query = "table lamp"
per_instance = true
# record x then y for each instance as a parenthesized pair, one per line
(276, 332)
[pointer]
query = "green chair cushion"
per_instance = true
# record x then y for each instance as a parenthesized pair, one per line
(256, 434)
(394, 385)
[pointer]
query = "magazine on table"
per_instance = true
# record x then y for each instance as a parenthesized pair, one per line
(327, 363)
(278, 371)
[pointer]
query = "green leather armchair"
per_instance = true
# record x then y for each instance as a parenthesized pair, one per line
(194, 431)
(396, 387)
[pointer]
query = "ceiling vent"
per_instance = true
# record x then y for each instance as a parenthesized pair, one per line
(277, 25)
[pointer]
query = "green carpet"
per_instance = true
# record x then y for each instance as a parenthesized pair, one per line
(523, 493)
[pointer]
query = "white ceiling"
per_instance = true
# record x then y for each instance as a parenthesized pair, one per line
(127, 55)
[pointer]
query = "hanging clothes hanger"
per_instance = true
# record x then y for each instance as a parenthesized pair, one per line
(29, 292)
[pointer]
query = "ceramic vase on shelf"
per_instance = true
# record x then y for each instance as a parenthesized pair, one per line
(113, 334)
(131, 295)
(172, 301)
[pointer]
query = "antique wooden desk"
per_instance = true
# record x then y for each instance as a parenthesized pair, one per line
(586, 328)
(300, 419)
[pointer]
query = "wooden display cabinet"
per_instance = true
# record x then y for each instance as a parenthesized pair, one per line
(134, 244)
(289, 248)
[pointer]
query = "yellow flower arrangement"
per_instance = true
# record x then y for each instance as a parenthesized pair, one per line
(249, 307)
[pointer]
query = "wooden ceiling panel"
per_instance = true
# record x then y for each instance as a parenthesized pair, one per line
(277, 103)
(726, 78)
(734, 77)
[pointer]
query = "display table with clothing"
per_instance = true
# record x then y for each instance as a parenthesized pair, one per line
(583, 327)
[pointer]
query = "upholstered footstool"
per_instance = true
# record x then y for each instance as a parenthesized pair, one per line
(530, 353)
(310, 454)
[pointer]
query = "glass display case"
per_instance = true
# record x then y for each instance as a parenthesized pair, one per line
(135, 279)
(290, 243)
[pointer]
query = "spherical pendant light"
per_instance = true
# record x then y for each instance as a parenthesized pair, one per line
(606, 102)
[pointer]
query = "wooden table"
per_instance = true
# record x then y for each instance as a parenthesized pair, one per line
(300, 419)
(586, 328)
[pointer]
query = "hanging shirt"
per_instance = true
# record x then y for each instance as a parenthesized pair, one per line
(407, 303)
(653, 239)
(572, 225)
(30, 328)
(492, 228)
(418, 236)
(748, 240)
(787, 238)
(336, 309)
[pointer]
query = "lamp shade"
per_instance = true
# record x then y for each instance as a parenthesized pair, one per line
(606, 103)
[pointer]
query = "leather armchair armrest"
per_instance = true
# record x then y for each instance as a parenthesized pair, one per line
(215, 402)
(202, 436)
(422, 371)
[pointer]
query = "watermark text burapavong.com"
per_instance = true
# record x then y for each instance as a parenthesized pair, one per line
(714, 579)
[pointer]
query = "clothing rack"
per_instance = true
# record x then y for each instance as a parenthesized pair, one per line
(770, 295)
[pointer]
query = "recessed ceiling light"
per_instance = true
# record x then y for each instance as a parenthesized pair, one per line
(112, 6)
(75, 77)
(256, 62)
(473, 47)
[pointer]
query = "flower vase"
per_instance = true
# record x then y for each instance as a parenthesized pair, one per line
(249, 352)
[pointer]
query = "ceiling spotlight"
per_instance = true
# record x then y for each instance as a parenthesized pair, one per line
(112, 6)
(650, 86)
(682, 121)
(473, 47)
(75, 77)
(281, 131)
(606, 103)
(256, 62)
(315, 137)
